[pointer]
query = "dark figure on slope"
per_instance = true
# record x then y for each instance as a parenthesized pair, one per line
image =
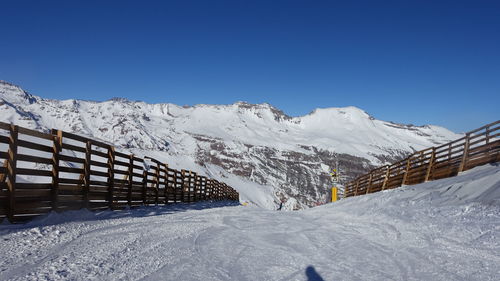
(281, 206)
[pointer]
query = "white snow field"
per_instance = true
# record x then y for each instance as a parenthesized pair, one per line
(441, 230)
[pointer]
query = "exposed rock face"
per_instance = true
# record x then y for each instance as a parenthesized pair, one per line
(255, 142)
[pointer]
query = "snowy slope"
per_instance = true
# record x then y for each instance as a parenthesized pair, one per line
(442, 230)
(257, 143)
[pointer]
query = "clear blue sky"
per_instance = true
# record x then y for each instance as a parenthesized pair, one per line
(420, 62)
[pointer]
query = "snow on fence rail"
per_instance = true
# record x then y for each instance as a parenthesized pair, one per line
(62, 171)
(477, 147)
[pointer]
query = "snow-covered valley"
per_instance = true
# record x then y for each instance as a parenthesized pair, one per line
(256, 148)
(441, 230)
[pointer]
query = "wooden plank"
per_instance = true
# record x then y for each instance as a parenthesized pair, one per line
(33, 133)
(33, 159)
(5, 126)
(121, 154)
(100, 153)
(34, 205)
(73, 147)
(121, 163)
(71, 170)
(33, 172)
(34, 193)
(484, 160)
(70, 188)
(100, 143)
(138, 175)
(4, 139)
(70, 181)
(68, 158)
(137, 166)
(121, 172)
(35, 146)
(98, 164)
(71, 136)
(71, 198)
(120, 181)
(484, 127)
(98, 173)
(24, 185)
(101, 183)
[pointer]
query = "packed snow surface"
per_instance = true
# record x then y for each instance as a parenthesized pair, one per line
(442, 230)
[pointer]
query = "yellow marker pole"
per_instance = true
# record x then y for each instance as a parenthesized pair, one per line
(334, 194)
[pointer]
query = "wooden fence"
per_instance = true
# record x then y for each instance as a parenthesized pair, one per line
(67, 172)
(477, 147)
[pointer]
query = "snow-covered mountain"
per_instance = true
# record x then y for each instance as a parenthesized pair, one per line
(265, 154)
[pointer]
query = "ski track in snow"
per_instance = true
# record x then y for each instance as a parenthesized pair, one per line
(422, 232)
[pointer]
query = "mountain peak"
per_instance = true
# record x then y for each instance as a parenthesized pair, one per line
(10, 92)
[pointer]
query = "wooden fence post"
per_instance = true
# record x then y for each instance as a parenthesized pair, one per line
(207, 189)
(220, 191)
(431, 164)
(463, 163)
(183, 173)
(174, 186)
(217, 190)
(369, 183)
(213, 189)
(357, 187)
(165, 180)
(203, 181)
(157, 183)
(111, 175)
(144, 187)
(407, 171)
(130, 178)
(86, 177)
(386, 179)
(56, 150)
(195, 186)
(487, 141)
(210, 189)
(11, 171)
(449, 151)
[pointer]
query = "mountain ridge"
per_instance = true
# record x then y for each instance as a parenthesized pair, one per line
(258, 143)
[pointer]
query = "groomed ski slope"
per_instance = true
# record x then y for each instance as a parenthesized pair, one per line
(442, 230)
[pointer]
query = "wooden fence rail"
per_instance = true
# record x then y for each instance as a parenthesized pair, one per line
(477, 147)
(68, 172)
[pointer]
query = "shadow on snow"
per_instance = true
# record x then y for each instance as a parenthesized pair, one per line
(54, 218)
